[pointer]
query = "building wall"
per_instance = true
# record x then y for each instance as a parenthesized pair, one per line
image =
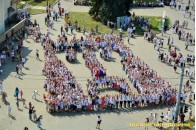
(2, 24)
(4, 5)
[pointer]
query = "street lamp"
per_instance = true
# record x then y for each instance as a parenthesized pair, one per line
(178, 98)
(47, 2)
(163, 21)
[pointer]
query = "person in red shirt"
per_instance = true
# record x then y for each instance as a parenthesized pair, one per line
(21, 94)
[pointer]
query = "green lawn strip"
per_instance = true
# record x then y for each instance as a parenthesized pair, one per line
(186, 127)
(40, 3)
(36, 11)
(84, 19)
(154, 1)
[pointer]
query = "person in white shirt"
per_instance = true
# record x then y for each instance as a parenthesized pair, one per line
(23, 61)
(98, 122)
(9, 108)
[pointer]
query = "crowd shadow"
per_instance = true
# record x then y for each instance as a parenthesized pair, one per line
(74, 62)
(114, 110)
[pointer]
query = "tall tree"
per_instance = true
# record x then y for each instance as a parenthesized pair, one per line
(109, 9)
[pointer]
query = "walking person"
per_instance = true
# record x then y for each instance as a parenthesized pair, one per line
(190, 15)
(24, 104)
(39, 121)
(16, 93)
(84, 30)
(98, 122)
(168, 40)
(17, 71)
(175, 67)
(34, 94)
(21, 94)
(30, 112)
(37, 54)
(162, 116)
(23, 61)
(146, 123)
(34, 116)
(17, 103)
(9, 108)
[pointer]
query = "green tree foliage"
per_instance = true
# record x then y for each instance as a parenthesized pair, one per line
(109, 9)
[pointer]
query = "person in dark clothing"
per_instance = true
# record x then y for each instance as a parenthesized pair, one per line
(37, 54)
(30, 112)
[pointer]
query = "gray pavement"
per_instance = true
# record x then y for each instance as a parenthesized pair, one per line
(114, 120)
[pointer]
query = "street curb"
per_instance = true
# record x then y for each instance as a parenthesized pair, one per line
(55, 2)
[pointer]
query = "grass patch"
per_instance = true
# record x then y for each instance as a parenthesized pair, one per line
(40, 3)
(36, 11)
(154, 1)
(84, 19)
(188, 122)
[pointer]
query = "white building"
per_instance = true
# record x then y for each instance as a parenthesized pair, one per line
(7, 9)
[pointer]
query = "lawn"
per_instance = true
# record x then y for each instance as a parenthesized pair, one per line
(41, 3)
(36, 11)
(191, 122)
(154, 1)
(84, 19)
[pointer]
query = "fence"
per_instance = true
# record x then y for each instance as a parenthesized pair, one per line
(12, 33)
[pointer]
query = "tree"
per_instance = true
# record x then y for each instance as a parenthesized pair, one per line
(109, 9)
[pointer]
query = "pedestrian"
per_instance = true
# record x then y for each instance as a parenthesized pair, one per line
(190, 112)
(30, 105)
(162, 116)
(21, 94)
(30, 112)
(190, 14)
(24, 104)
(98, 122)
(155, 117)
(128, 38)
(184, 13)
(26, 128)
(17, 71)
(84, 30)
(62, 30)
(9, 108)
(186, 46)
(182, 116)
(23, 61)
(16, 93)
(34, 94)
(39, 121)
(146, 123)
(96, 28)
(17, 103)
(34, 116)
(72, 28)
(37, 54)
(175, 67)
(168, 40)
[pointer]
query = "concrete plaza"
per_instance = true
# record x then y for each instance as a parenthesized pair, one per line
(32, 79)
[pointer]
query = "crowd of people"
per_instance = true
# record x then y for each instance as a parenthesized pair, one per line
(66, 94)
(182, 35)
